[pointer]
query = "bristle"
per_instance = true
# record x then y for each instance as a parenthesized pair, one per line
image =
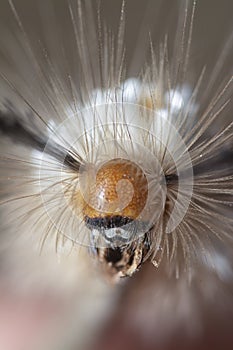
(88, 134)
(161, 99)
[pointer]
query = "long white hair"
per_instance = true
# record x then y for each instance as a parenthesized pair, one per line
(76, 102)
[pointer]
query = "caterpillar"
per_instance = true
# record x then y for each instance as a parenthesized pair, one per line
(127, 157)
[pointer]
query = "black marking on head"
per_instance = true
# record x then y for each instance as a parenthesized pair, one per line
(107, 222)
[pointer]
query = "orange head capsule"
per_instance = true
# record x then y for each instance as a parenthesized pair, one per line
(114, 198)
(119, 189)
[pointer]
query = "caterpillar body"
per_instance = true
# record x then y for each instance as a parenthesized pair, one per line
(124, 162)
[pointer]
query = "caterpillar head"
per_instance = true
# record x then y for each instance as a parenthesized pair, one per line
(115, 210)
(117, 197)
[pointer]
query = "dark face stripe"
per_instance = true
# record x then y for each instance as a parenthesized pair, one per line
(107, 222)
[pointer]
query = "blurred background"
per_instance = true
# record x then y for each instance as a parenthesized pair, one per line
(64, 302)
